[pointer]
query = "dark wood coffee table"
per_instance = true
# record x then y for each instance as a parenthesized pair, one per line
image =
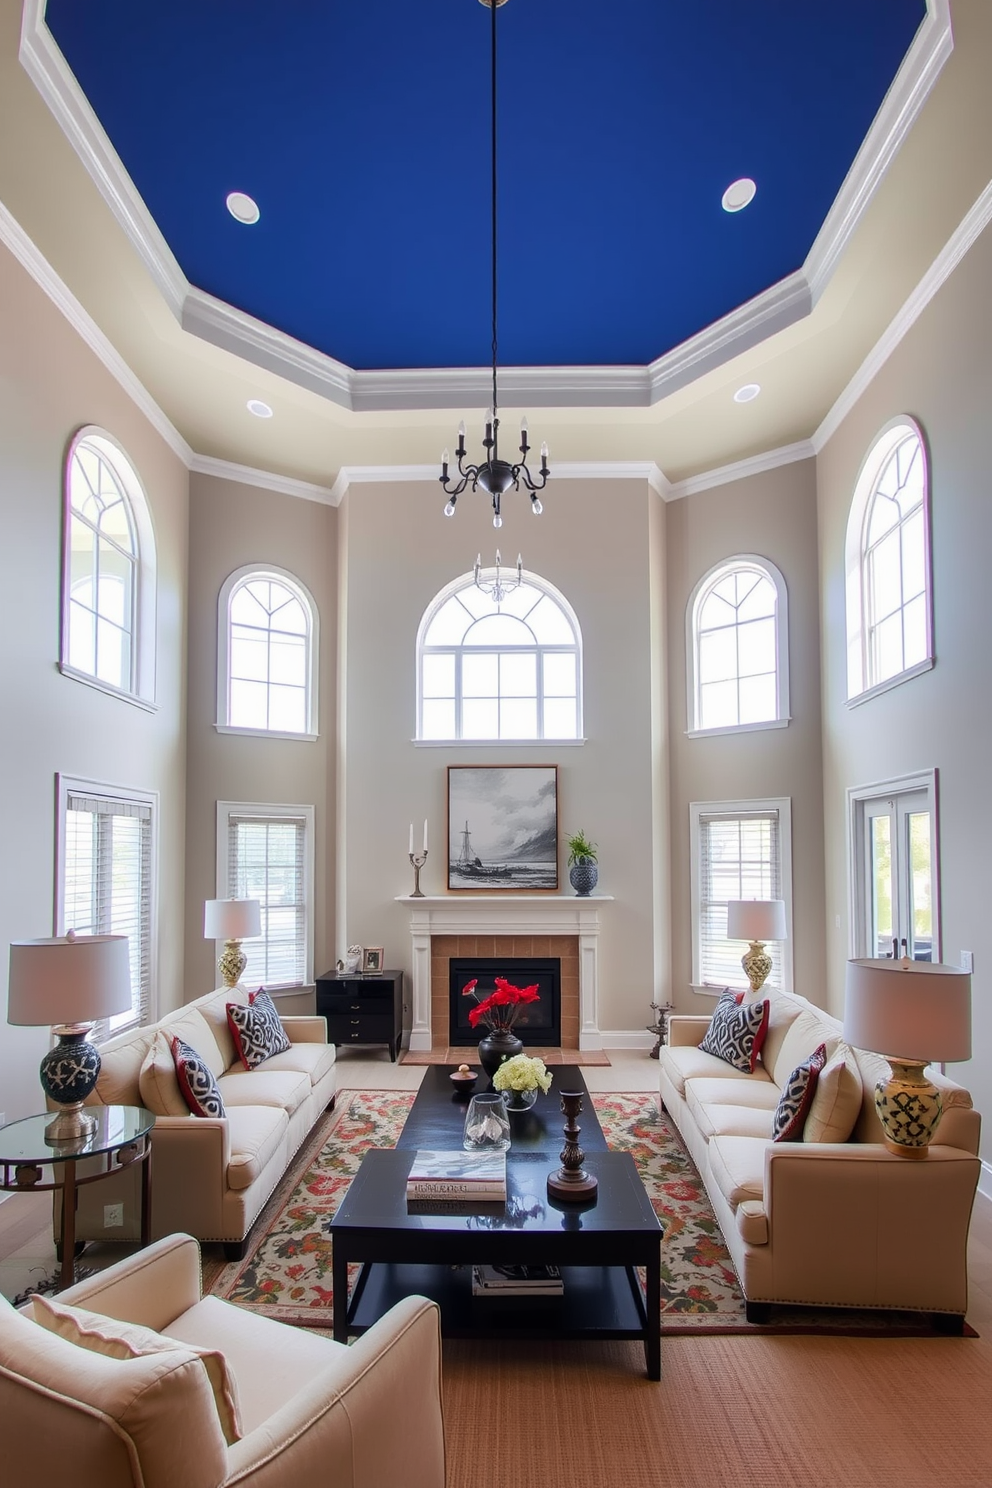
(598, 1245)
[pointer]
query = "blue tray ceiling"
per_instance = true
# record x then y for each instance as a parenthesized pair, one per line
(361, 128)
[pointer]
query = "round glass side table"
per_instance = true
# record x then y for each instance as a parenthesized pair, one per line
(29, 1163)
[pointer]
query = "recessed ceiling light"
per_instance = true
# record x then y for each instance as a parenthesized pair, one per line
(743, 394)
(242, 208)
(258, 408)
(738, 194)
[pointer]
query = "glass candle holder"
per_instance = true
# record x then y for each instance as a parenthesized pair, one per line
(487, 1126)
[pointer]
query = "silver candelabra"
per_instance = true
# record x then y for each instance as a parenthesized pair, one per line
(418, 860)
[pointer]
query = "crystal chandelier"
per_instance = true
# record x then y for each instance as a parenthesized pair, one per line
(492, 474)
(498, 588)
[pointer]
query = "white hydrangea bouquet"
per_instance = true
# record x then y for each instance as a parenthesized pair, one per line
(520, 1078)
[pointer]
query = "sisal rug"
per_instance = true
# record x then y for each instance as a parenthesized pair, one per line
(287, 1271)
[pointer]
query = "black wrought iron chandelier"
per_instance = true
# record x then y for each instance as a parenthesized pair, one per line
(492, 474)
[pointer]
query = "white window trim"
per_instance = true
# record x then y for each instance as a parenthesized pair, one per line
(782, 696)
(67, 784)
(921, 780)
(857, 659)
(465, 581)
(144, 633)
(697, 809)
(227, 809)
(233, 580)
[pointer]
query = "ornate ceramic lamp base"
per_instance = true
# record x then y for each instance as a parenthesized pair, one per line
(909, 1107)
(757, 964)
(232, 963)
(68, 1073)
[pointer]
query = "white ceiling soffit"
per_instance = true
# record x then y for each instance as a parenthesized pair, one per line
(562, 387)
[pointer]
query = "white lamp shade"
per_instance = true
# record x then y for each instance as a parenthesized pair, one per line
(909, 1010)
(232, 919)
(69, 979)
(756, 919)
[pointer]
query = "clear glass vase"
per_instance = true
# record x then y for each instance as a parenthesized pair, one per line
(487, 1126)
(519, 1100)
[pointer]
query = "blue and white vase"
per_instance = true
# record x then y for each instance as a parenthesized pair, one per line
(583, 876)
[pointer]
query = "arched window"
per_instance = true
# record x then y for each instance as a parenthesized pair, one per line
(108, 599)
(267, 654)
(737, 647)
(499, 671)
(889, 605)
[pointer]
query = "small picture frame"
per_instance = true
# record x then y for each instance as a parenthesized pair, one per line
(372, 957)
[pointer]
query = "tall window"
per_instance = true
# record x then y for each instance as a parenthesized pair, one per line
(738, 850)
(889, 605)
(266, 853)
(737, 647)
(893, 870)
(499, 671)
(267, 655)
(108, 573)
(106, 879)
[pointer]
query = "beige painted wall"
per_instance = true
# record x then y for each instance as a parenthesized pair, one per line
(232, 525)
(773, 515)
(942, 375)
(51, 384)
(593, 543)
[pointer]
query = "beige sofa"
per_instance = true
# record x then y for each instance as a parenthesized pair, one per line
(841, 1222)
(312, 1412)
(210, 1176)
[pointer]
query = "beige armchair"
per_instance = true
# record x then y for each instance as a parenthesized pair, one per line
(313, 1412)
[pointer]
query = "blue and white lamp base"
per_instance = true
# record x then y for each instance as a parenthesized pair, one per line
(68, 1075)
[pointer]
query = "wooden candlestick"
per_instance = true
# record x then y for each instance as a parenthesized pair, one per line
(571, 1180)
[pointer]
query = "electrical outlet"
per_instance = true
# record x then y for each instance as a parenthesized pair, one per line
(967, 960)
(113, 1216)
(406, 1007)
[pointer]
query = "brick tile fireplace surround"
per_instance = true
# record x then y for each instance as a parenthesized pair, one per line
(564, 926)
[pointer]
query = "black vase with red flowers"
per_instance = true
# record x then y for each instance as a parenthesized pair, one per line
(498, 1012)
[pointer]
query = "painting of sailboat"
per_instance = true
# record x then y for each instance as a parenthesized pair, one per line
(503, 827)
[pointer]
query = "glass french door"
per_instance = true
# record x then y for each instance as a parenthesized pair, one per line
(898, 876)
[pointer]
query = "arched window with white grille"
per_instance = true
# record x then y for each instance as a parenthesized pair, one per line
(108, 588)
(737, 648)
(267, 631)
(889, 590)
(506, 671)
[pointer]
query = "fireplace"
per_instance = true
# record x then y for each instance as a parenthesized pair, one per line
(539, 1023)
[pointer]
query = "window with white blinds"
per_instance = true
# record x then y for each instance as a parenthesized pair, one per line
(266, 853)
(740, 850)
(106, 880)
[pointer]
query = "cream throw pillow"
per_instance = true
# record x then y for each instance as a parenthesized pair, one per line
(837, 1101)
(158, 1083)
(117, 1340)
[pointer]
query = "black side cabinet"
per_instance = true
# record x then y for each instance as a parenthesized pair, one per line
(362, 1009)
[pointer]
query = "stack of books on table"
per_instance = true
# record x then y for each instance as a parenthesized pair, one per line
(517, 1281)
(457, 1177)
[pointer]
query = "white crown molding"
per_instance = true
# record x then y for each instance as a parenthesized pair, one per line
(51, 75)
(262, 345)
(722, 475)
(267, 480)
(645, 470)
(965, 234)
(13, 236)
(910, 88)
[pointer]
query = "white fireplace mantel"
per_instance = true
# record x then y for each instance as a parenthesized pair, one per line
(506, 914)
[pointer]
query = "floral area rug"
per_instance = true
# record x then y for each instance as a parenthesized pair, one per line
(287, 1273)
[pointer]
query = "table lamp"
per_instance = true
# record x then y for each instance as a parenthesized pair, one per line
(756, 920)
(232, 920)
(915, 1013)
(68, 983)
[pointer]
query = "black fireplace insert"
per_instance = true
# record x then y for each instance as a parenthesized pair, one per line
(538, 1022)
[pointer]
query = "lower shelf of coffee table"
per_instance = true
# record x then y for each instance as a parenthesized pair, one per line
(598, 1302)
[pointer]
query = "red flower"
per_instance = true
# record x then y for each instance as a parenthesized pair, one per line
(500, 1009)
(469, 987)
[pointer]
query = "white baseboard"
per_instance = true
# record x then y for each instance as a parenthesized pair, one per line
(626, 1038)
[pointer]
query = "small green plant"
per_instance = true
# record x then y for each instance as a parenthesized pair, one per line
(580, 847)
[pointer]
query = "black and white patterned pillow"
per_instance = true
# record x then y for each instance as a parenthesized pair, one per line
(737, 1032)
(797, 1097)
(196, 1081)
(257, 1029)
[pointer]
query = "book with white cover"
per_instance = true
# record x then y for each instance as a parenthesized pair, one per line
(457, 1175)
(517, 1281)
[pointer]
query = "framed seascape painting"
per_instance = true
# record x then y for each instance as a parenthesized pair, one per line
(502, 827)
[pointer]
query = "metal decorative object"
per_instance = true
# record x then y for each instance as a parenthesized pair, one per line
(571, 1180)
(492, 474)
(418, 860)
(498, 589)
(660, 1026)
